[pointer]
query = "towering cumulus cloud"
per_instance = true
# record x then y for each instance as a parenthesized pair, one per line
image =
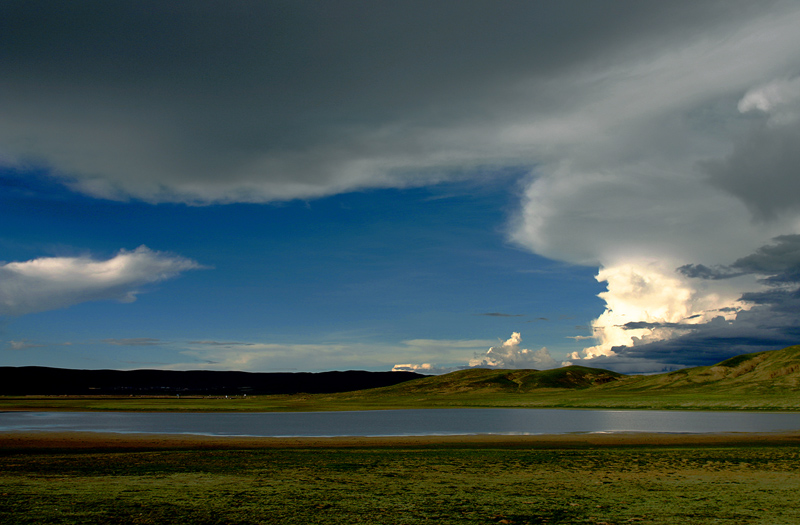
(57, 282)
(650, 302)
(684, 173)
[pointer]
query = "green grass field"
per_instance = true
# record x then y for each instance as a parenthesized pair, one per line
(381, 400)
(443, 484)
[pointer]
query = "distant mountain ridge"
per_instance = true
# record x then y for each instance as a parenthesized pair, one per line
(35, 380)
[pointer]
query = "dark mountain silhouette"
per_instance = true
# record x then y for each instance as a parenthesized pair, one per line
(36, 380)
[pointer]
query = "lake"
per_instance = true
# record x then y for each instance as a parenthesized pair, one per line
(425, 422)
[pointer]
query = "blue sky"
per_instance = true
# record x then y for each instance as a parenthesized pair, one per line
(315, 186)
(377, 267)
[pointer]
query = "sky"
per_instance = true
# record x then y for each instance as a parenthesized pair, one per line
(307, 185)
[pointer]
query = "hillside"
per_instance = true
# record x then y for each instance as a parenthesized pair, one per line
(760, 372)
(765, 372)
(481, 380)
(760, 381)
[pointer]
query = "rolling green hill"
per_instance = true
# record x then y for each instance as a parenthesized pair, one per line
(760, 373)
(489, 381)
(759, 381)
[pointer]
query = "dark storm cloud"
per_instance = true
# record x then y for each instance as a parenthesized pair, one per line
(701, 271)
(778, 263)
(764, 168)
(764, 327)
(638, 325)
(763, 171)
(632, 365)
(255, 101)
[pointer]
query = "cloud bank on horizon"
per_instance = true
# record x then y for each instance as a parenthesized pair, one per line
(661, 138)
(509, 354)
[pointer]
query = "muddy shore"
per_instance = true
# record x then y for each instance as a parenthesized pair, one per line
(22, 441)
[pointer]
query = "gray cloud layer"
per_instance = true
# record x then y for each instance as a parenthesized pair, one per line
(243, 101)
(763, 170)
(776, 263)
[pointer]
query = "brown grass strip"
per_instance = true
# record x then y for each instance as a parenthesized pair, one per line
(33, 441)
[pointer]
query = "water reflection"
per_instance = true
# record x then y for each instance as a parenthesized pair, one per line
(402, 422)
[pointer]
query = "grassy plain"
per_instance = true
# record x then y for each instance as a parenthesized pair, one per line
(786, 400)
(481, 482)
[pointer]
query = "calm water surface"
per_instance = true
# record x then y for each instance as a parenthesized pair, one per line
(402, 422)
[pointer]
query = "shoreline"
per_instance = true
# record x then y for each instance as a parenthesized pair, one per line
(26, 441)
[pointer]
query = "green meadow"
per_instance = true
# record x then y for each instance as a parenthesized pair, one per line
(443, 484)
(380, 401)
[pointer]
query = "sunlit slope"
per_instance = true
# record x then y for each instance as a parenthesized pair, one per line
(762, 372)
(758, 373)
(505, 381)
(760, 381)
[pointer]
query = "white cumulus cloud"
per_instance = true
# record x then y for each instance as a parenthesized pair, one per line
(780, 98)
(50, 283)
(510, 354)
